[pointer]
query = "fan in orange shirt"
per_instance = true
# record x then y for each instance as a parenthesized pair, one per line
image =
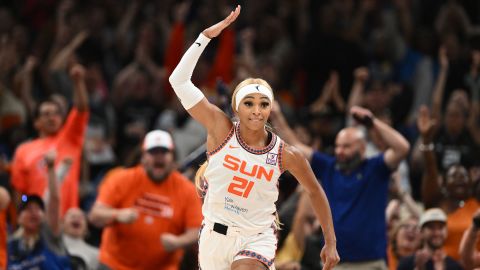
(28, 168)
(150, 211)
(4, 201)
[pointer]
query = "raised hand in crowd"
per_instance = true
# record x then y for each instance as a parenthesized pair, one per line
(426, 125)
(60, 61)
(361, 75)
(330, 94)
(80, 96)
(23, 83)
(439, 88)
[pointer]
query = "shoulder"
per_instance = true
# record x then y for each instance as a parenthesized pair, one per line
(378, 161)
(290, 152)
(120, 172)
(26, 145)
(292, 156)
(121, 175)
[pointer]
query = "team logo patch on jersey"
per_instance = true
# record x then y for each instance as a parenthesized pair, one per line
(272, 159)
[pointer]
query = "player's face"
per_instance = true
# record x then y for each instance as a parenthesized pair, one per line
(254, 110)
(49, 119)
(158, 163)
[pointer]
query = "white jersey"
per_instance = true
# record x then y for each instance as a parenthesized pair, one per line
(243, 182)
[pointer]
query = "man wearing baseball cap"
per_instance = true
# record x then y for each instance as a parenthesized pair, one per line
(433, 230)
(37, 244)
(150, 212)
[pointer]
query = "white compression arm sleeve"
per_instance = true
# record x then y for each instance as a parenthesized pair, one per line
(180, 79)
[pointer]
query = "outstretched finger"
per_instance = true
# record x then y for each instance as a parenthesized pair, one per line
(233, 15)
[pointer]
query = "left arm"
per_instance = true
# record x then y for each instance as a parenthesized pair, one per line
(398, 146)
(296, 163)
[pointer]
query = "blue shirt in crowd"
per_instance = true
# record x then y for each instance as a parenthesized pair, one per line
(358, 201)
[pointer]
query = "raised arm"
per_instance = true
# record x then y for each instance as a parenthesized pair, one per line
(397, 145)
(210, 116)
(53, 199)
(431, 187)
(361, 75)
(439, 88)
(280, 124)
(80, 96)
(472, 79)
(295, 162)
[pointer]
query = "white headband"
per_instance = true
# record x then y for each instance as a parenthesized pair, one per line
(252, 89)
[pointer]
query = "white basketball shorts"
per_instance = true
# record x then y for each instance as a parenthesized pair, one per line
(220, 246)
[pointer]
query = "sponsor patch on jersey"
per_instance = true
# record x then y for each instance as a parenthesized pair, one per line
(272, 159)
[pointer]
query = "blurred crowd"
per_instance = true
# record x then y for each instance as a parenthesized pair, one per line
(83, 82)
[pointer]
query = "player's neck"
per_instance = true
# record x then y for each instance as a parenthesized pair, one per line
(254, 138)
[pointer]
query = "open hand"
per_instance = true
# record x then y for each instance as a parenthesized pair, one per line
(217, 28)
(425, 123)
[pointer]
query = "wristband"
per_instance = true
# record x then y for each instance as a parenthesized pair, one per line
(366, 120)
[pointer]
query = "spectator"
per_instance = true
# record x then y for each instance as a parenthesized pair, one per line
(37, 243)
(404, 241)
(357, 187)
(450, 191)
(150, 211)
(66, 138)
(4, 202)
(74, 232)
(431, 256)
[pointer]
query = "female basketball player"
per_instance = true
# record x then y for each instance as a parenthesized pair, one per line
(244, 163)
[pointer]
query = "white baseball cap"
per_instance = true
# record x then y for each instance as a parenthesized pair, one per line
(431, 215)
(158, 139)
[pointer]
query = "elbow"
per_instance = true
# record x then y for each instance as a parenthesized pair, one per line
(174, 79)
(404, 148)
